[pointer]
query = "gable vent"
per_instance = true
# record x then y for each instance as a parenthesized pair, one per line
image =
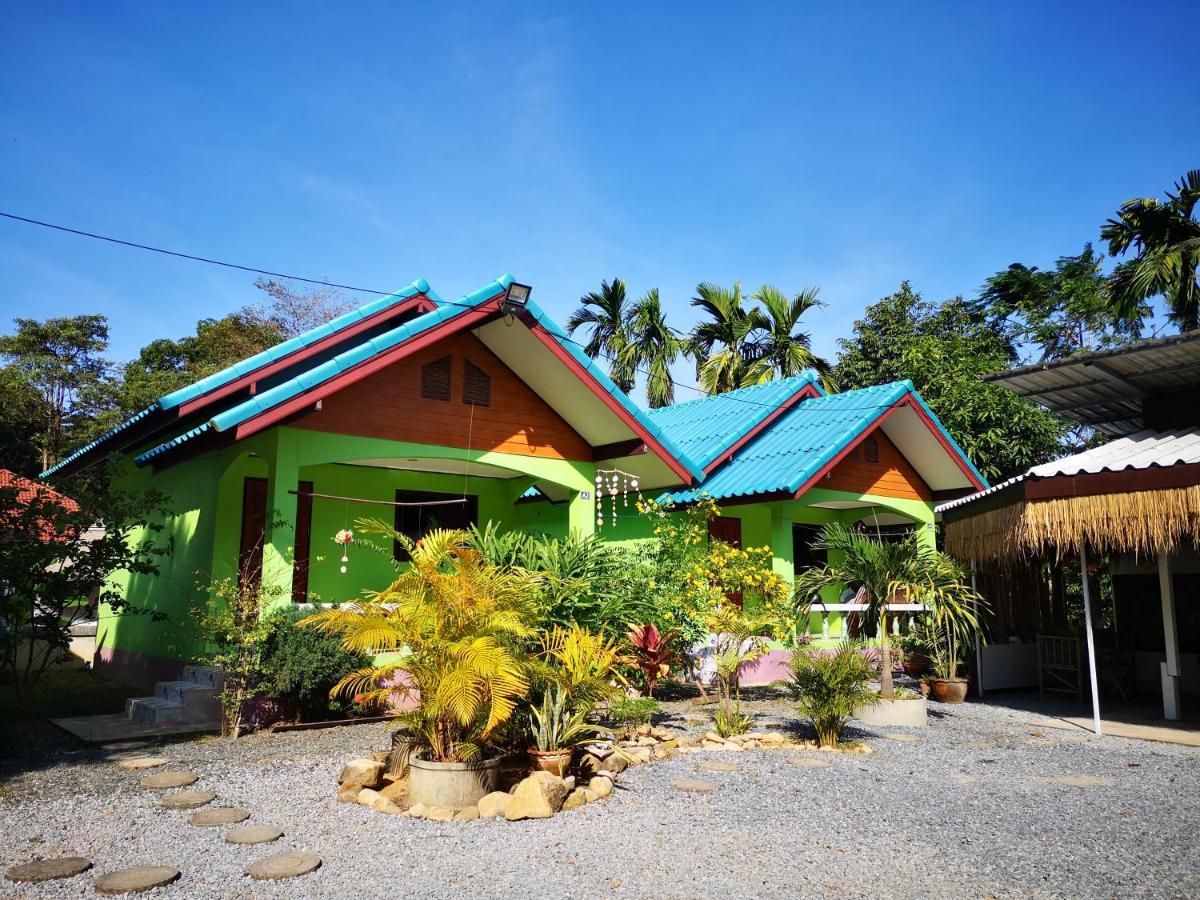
(871, 450)
(435, 379)
(477, 385)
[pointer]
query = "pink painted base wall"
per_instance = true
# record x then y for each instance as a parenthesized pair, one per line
(768, 669)
(135, 669)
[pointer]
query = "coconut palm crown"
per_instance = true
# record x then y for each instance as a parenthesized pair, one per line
(606, 314)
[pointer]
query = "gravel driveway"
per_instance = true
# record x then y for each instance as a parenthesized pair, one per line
(982, 804)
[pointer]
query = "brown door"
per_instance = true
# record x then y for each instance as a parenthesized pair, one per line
(303, 542)
(729, 530)
(254, 533)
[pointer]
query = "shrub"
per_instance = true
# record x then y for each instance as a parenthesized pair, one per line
(301, 666)
(653, 653)
(828, 686)
(631, 713)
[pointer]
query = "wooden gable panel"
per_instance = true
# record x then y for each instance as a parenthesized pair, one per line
(389, 404)
(891, 476)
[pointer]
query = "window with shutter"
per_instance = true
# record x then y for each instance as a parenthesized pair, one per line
(871, 450)
(435, 379)
(477, 385)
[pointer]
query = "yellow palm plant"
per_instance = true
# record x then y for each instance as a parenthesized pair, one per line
(457, 624)
(582, 664)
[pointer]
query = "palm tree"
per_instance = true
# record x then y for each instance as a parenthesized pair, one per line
(653, 348)
(784, 350)
(1166, 239)
(606, 315)
(888, 570)
(725, 346)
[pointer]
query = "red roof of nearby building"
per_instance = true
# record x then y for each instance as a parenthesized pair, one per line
(27, 490)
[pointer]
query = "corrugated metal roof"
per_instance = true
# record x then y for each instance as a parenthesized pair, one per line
(108, 435)
(1144, 450)
(707, 427)
(798, 444)
(1105, 389)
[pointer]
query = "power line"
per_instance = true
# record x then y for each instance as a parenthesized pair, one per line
(347, 287)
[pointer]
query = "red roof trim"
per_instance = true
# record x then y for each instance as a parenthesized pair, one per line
(420, 302)
(465, 320)
(807, 392)
(955, 454)
(564, 356)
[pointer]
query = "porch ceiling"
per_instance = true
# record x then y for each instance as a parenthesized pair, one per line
(440, 466)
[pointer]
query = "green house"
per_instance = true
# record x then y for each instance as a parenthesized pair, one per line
(439, 413)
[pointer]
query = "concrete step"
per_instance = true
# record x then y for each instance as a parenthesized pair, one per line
(155, 711)
(190, 694)
(209, 676)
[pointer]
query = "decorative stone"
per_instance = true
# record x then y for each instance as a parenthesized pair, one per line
(349, 793)
(569, 781)
(749, 745)
(643, 730)
(470, 814)
(126, 745)
(283, 865)
(640, 755)
(615, 764)
(48, 869)
(717, 766)
(384, 805)
(396, 791)
(539, 796)
(135, 880)
(601, 786)
(810, 762)
(253, 834)
(416, 811)
(363, 772)
(142, 762)
(773, 739)
(494, 804)
(367, 796)
(162, 781)
(647, 742)
(694, 786)
(439, 814)
(222, 815)
(188, 799)
(575, 799)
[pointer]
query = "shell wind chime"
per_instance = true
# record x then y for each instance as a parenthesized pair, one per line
(344, 539)
(610, 483)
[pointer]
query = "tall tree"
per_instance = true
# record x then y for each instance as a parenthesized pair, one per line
(62, 360)
(605, 314)
(944, 350)
(21, 409)
(725, 344)
(292, 310)
(653, 348)
(784, 349)
(1057, 312)
(1165, 239)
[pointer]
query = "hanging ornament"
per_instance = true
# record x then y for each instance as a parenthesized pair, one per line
(344, 539)
(609, 484)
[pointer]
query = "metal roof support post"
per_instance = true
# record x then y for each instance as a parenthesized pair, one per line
(1091, 642)
(1170, 668)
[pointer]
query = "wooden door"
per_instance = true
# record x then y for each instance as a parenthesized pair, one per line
(303, 542)
(254, 533)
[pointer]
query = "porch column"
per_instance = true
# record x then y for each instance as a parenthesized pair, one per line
(581, 513)
(1091, 643)
(1170, 668)
(280, 538)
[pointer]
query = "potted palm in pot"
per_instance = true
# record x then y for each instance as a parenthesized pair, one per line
(558, 729)
(450, 627)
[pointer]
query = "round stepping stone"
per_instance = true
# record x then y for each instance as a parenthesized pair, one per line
(694, 786)
(716, 766)
(48, 869)
(162, 781)
(222, 815)
(142, 762)
(283, 865)
(903, 738)
(126, 745)
(253, 834)
(188, 799)
(810, 763)
(140, 878)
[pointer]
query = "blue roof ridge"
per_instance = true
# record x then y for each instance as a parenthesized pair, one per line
(808, 376)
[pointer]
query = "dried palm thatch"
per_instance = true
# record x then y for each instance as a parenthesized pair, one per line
(1137, 522)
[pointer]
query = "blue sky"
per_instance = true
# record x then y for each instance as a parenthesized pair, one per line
(847, 146)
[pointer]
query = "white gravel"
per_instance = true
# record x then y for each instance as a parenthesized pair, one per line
(966, 811)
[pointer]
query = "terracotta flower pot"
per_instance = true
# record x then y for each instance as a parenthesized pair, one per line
(948, 690)
(556, 762)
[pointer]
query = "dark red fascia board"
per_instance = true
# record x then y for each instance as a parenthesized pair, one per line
(807, 392)
(419, 302)
(906, 401)
(488, 309)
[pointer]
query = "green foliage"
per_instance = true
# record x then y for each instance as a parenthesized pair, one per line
(20, 412)
(828, 686)
(581, 664)
(464, 624)
(51, 557)
(730, 721)
(890, 570)
(1060, 312)
(1165, 239)
(631, 713)
(605, 314)
(652, 348)
(782, 348)
(559, 724)
(301, 666)
(945, 350)
(739, 640)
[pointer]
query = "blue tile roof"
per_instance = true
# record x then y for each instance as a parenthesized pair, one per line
(707, 427)
(800, 443)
